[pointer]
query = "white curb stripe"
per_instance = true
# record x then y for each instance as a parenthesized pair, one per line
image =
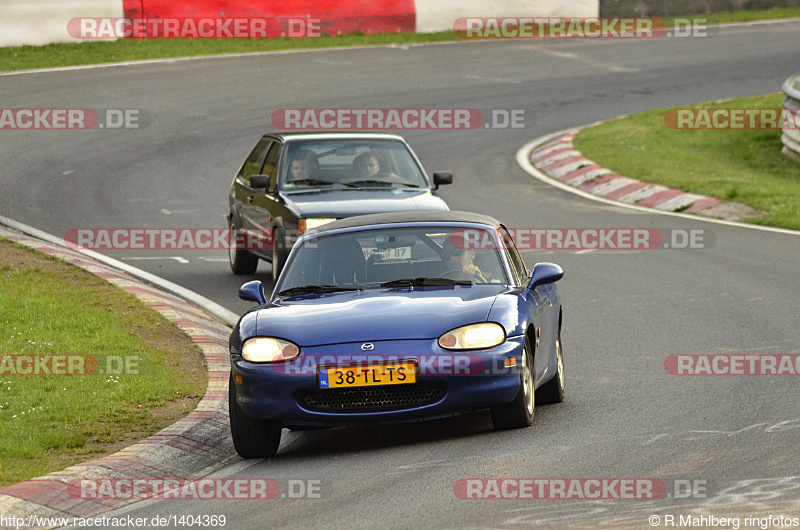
(522, 159)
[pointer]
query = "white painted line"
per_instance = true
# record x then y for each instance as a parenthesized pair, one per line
(176, 258)
(522, 160)
(171, 60)
(492, 79)
(228, 317)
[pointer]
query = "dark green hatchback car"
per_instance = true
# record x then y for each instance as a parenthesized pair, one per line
(292, 182)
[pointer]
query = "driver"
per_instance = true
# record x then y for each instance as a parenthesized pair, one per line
(459, 260)
(367, 167)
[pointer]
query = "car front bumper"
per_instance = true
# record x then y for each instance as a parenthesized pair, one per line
(447, 383)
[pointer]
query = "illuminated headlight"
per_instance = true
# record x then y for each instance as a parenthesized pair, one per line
(308, 224)
(268, 350)
(473, 337)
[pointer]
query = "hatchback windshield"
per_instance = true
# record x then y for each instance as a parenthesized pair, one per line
(399, 257)
(350, 163)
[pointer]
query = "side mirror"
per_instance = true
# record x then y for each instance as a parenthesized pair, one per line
(544, 273)
(259, 181)
(253, 292)
(441, 178)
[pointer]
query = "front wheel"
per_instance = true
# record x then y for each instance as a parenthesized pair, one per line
(553, 390)
(518, 413)
(251, 438)
(240, 260)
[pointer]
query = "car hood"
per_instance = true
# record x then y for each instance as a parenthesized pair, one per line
(375, 315)
(351, 202)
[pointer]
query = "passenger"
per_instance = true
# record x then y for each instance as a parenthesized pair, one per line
(304, 166)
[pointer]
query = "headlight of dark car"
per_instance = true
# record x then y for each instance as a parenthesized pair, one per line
(268, 350)
(473, 337)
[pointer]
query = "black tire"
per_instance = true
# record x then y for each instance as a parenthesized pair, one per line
(241, 261)
(278, 256)
(251, 438)
(553, 390)
(518, 413)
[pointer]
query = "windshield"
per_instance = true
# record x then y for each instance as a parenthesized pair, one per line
(350, 164)
(400, 257)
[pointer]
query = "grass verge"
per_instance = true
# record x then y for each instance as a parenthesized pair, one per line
(71, 54)
(744, 166)
(48, 422)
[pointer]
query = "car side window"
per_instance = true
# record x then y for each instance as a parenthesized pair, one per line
(271, 164)
(510, 250)
(252, 166)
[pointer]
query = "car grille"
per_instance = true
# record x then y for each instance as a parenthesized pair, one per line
(381, 398)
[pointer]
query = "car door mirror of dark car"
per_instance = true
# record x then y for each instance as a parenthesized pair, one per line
(441, 178)
(544, 273)
(259, 181)
(253, 292)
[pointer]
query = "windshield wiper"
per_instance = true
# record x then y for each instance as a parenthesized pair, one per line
(374, 182)
(425, 282)
(316, 289)
(318, 182)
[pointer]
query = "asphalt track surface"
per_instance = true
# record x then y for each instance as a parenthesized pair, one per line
(624, 312)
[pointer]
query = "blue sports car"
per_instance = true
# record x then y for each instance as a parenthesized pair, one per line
(396, 317)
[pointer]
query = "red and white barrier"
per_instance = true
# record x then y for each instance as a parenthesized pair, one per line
(38, 22)
(46, 21)
(439, 15)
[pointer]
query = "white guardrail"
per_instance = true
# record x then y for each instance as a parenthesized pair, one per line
(791, 136)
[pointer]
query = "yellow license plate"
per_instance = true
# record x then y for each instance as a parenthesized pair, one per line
(353, 376)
